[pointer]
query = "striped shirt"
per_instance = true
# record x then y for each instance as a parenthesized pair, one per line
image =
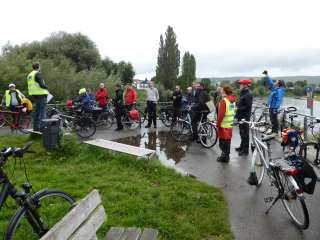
(152, 94)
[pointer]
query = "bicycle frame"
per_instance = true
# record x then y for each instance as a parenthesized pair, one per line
(16, 121)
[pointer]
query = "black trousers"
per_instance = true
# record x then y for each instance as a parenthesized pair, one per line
(244, 134)
(224, 145)
(104, 108)
(176, 113)
(129, 107)
(152, 113)
(118, 117)
(196, 118)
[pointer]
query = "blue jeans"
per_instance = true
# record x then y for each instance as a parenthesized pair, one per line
(39, 113)
(191, 114)
(274, 120)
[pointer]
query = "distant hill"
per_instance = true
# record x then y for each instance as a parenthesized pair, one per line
(310, 79)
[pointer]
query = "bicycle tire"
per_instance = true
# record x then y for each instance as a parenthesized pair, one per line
(86, 128)
(258, 165)
(142, 116)
(310, 151)
(54, 206)
(167, 119)
(181, 130)
(296, 207)
(105, 121)
(263, 129)
(2, 122)
(131, 124)
(22, 121)
(211, 135)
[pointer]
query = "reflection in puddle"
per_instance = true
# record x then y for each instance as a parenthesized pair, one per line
(168, 150)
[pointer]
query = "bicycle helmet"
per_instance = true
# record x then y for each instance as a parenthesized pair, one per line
(11, 85)
(245, 81)
(82, 90)
(117, 85)
(69, 104)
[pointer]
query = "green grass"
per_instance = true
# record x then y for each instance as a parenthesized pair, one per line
(132, 194)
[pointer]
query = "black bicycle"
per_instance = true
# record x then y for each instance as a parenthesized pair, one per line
(37, 212)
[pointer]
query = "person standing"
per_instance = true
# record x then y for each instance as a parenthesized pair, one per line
(102, 96)
(91, 96)
(274, 101)
(176, 97)
(225, 119)
(39, 91)
(243, 111)
(189, 97)
(194, 96)
(152, 98)
(118, 104)
(130, 97)
(217, 98)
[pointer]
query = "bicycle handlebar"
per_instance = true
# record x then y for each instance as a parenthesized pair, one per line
(18, 152)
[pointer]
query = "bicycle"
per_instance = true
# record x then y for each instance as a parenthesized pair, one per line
(141, 114)
(22, 121)
(36, 213)
(127, 122)
(181, 130)
(281, 174)
(310, 151)
(166, 114)
(104, 120)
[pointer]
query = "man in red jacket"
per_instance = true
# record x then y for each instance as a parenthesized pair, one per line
(101, 96)
(131, 97)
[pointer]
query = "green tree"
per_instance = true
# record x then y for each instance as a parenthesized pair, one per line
(126, 71)
(168, 65)
(289, 84)
(261, 90)
(206, 81)
(193, 69)
(301, 83)
(304, 90)
(185, 78)
(297, 90)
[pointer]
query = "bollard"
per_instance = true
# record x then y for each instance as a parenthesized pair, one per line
(305, 128)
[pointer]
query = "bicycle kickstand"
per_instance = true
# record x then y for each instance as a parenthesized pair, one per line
(277, 198)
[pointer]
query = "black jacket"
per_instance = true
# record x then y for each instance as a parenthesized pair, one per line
(118, 97)
(177, 102)
(195, 97)
(39, 79)
(202, 99)
(244, 106)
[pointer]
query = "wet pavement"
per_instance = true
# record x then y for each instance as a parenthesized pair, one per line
(246, 203)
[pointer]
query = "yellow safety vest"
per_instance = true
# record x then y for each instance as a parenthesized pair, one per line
(8, 97)
(34, 87)
(229, 115)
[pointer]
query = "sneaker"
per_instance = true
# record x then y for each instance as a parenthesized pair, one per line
(243, 152)
(222, 159)
(148, 126)
(239, 149)
(119, 130)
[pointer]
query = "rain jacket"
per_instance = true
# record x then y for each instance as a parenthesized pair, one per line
(276, 96)
(183, 103)
(244, 106)
(118, 97)
(101, 96)
(224, 133)
(92, 98)
(85, 101)
(131, 96)
(178, 95)
(201, 101)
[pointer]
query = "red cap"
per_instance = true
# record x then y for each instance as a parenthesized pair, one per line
(69, 104)
(245, 81)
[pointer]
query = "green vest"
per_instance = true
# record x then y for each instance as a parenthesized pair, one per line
(229, 115)
(8, 97)
(33, 86)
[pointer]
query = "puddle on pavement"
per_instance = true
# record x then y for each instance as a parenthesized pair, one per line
(168, 150)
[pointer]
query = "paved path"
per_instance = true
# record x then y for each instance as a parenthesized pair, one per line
(246, 203)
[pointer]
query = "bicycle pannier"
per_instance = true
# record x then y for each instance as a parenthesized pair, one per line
(211, 106)
(306, 175)
(290, 137)
(134, 115)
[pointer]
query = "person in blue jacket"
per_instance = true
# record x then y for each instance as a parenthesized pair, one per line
(91, 96)
(84, 99)
(274, 101)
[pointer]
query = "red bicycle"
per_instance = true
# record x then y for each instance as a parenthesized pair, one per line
(22, 121)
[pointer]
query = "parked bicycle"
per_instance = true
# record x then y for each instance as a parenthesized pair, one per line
(181, 131)
(166, 114)
(281, 174)
(37, 212)
(128, 122)
(21, 120)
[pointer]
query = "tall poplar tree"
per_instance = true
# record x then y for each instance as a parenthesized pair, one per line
(193, 69)
(184, 81)
(168, 64)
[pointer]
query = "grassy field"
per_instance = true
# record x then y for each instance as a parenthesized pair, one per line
(133, 194)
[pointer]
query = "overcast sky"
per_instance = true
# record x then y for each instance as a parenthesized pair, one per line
(227, 38)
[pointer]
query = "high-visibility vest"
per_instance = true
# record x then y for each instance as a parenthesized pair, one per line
(8, 97)
(34, 87)
(229, 115)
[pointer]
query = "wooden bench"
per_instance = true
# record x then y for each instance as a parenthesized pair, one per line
(124, 148)
(86, 217)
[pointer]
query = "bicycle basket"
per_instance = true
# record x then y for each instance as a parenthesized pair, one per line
(306, 175)
(134, 115)
(289, 137)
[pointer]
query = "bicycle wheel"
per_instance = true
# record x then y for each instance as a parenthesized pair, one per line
(86, 128)
(208, 135)
(265, 118)
(2, 122)
(24, 124)
(310, 151)
(54, 206)
(131, 124)
(258, 165)
(295, 207)
(167, 119)
(181, 130)
(105, 121)
(142, 117)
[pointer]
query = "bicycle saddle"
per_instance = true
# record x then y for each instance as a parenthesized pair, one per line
(205, 111)
(267, 138)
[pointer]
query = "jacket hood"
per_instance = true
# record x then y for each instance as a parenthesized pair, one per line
(281, 89)
(206, 89)
(232, 99)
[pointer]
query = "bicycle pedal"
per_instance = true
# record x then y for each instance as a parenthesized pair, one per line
(268, 199)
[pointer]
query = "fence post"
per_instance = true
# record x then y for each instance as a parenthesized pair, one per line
(305, 128)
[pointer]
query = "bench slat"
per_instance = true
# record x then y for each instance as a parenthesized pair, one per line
(69, 223)
(131, 234)
(91, 225)
(149, 234)
(114, 233)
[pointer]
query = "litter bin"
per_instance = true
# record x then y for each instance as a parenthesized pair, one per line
(50, 133)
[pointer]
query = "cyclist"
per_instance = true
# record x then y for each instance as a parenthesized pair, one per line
(84, 99)
(131, 97)
(91, 96)
(118, 104)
